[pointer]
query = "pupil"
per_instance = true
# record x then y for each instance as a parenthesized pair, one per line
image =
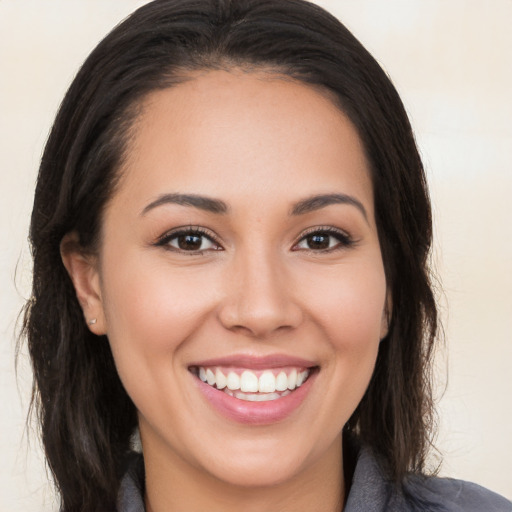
(189, 242)
(318, 241)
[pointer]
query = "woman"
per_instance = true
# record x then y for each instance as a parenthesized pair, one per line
(230, 234)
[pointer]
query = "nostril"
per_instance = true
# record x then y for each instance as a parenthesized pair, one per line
(257, 297)
(262, 321)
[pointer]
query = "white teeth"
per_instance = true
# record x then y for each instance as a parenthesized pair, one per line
(281, 382)
(261, 398)
(264, 397)
(267, 382)
(210, 377)
(233, 381)
(301, 377)
(248, 382)
(292, 379)
(220, 379)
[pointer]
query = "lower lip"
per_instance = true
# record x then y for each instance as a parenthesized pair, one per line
(255, 413)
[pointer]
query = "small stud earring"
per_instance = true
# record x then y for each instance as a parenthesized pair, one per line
(92, 321)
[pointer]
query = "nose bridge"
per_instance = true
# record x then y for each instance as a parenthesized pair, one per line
(259, 298)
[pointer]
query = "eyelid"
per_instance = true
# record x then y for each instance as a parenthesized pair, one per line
(344, 238)
(163, 240)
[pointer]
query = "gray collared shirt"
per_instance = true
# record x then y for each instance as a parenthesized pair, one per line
(370, 491)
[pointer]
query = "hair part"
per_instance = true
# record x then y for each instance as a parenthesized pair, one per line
(86, 416)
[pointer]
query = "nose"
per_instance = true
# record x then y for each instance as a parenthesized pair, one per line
(259, 296)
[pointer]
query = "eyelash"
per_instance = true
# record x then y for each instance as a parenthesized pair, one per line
(166, 239)
(344, 240)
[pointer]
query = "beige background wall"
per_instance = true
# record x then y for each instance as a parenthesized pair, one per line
(452, 62)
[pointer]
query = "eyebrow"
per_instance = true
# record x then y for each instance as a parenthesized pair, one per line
(218, 206)
(208, 204)
(317, 202)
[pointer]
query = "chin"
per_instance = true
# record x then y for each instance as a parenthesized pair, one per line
(265, 470)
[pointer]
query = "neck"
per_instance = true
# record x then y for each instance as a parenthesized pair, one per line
(174, 485)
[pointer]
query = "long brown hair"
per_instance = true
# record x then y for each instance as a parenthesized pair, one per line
(85, 414)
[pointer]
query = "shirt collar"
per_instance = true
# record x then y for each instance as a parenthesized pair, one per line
(370, 491)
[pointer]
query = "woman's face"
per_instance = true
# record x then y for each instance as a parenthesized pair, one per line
(241, 247)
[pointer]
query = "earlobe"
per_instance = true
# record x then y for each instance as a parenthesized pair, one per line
(82, 269)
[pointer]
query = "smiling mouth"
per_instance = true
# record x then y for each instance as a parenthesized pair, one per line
(252, 385)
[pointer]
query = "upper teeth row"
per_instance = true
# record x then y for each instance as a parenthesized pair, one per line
(249, 382)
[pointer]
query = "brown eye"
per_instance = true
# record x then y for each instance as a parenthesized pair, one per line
(318, 241)
(324, 240)
(189, 242)
(192, 241)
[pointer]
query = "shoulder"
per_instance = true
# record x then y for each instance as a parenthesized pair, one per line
(131, 490)
(373, 491)
(453, 495)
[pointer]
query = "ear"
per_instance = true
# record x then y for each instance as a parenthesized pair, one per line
(386, 316)
(82, 268)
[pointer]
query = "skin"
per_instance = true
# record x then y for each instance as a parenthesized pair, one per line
(260, 143)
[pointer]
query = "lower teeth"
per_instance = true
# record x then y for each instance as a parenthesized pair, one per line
(255, 397)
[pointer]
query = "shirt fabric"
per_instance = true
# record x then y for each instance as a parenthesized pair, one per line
(370, 491)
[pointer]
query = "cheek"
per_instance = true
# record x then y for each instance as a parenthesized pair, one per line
(152, 312)
(346, 306)
(151, 309)
(350, 316)
(350, 305)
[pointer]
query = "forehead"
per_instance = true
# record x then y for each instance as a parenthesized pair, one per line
(222, 133)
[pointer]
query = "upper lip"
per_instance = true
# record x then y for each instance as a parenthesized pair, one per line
(256, 362)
